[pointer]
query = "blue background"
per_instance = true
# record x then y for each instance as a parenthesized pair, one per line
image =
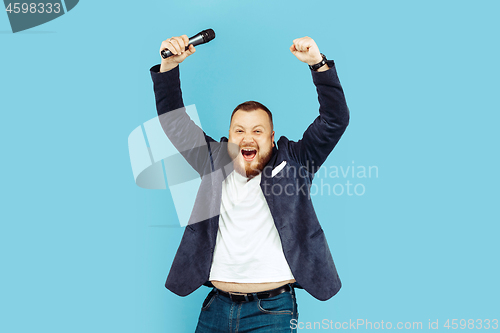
(83, 249)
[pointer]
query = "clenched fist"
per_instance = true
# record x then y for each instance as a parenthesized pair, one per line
(306, 50)
(176, 45)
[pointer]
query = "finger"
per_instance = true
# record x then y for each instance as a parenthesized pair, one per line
(304, 45)
(185, 39)
(298, 45)
(293, 49)
(175, 45)
(191, 50)
(165, 45)
(182, 45)
(307, 43)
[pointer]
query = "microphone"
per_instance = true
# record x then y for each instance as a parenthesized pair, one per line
(201, 38)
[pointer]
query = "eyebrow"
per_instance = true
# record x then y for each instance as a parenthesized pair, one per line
(238, 125)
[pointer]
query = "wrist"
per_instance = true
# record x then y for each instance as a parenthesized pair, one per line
(323, 68)
(315, 60)
(165, 67)
(319, 64)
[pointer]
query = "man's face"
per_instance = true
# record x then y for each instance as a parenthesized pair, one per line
(253, 140)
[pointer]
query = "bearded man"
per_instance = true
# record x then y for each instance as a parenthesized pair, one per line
(253, 235)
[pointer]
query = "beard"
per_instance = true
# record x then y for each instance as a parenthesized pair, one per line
(251, 168)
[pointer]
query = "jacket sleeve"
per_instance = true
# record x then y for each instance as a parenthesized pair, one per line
(189, 139)
(323, 134)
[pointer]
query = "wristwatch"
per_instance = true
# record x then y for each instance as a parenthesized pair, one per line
(319, 64)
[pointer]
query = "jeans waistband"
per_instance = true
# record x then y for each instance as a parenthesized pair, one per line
(248, 297)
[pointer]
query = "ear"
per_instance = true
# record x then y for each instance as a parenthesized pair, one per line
(272, 138)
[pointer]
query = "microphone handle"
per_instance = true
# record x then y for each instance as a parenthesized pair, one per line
(195, 40)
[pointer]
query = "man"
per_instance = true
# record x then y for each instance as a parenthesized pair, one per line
(253, 234)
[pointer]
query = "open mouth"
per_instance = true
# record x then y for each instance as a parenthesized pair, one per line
(248, 153)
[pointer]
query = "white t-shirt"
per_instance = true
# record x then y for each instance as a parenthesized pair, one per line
(248, 247)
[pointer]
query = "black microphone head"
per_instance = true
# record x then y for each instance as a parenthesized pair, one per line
(208, 35)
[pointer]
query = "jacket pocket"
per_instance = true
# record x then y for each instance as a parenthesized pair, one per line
(316, 233)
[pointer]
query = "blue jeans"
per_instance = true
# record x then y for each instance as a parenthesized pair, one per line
(273, 314)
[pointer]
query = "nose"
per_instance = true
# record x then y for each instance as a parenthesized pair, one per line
(248, 139)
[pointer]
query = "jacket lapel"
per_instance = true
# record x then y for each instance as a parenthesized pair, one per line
(266, 183)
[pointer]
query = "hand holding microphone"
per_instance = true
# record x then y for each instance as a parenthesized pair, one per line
(176, 49)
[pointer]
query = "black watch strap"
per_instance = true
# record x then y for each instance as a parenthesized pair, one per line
(319, 64)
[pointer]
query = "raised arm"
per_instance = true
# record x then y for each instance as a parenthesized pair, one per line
(185, 135)
(323, 134)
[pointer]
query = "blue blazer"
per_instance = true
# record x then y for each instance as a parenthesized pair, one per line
(285, 183)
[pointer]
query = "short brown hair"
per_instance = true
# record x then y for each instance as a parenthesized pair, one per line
(252, 106)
